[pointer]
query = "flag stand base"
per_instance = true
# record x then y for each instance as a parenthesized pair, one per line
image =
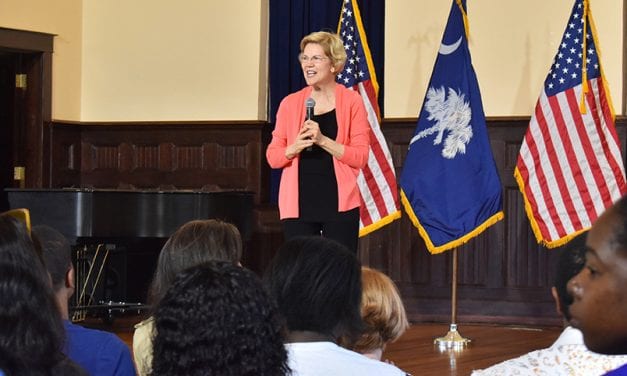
(452, 340)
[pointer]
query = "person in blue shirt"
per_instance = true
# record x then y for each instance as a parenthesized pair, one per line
(98, 352)
(31, 330)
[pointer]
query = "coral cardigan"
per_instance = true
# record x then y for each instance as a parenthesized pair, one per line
(353, 131)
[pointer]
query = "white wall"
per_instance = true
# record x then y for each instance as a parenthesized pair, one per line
(158, 60)
(63, 18)
(167, 60)
(512, 46)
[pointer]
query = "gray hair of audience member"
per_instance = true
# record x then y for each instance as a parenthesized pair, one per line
(194, 243)
(571, 260)
(56, 252)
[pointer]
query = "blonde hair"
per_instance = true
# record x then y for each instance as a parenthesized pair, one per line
(331, 44)
(382, 311)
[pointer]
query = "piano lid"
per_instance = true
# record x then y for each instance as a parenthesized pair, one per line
(104, 213)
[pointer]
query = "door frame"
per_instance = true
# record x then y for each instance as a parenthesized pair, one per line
(38, 100)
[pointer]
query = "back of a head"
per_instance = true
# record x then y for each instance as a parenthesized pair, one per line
(16, 245)
(56, 252)
(194, 243)
(317, 285)
(382, 311)
(31, 330)
(571, 260)
(217, 319)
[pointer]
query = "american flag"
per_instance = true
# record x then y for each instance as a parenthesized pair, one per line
(377, 181)
(570, 169)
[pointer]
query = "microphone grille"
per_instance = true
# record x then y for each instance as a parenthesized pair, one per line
(310, 102)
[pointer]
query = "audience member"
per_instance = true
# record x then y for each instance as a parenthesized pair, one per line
(567, 355)
(383, 313)
(99, 352)
(31, 330)
(194, 243)
(317, 284)
(17, 247)
(217, 319)
(599, 307)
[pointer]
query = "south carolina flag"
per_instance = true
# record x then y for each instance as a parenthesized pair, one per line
(450, 187)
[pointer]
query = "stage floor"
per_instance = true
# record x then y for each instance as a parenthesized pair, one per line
(415, 352)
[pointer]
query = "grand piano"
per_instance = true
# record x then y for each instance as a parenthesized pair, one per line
(133, 224)
(88, 215)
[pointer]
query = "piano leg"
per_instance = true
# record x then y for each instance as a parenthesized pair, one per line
(100, 281)
(88, 274)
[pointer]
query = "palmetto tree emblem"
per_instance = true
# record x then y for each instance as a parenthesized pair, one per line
(453, 115)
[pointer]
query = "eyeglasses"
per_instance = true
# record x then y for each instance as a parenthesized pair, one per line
(316, 59)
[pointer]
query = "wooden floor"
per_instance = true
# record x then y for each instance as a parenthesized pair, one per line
(415, 352)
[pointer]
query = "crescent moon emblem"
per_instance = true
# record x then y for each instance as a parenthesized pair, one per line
(447, 49)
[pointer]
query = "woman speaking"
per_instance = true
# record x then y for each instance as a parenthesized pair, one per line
(321, 141)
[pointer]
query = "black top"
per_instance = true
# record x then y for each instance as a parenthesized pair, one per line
(317, 185)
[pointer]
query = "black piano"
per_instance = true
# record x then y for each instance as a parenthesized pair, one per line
(133, 223)
(85, 215)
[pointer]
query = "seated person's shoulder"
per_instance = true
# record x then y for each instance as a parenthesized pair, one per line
(145, 324)
(86, 335)
(98, 350)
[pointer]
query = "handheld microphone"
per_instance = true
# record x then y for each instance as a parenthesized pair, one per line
(309, 104)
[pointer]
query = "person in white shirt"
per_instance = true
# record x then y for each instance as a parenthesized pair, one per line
(568, 355)
(317, 285)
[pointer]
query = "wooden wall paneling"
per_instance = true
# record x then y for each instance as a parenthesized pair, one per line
(206, 155)
(65, 156)
(504, 275)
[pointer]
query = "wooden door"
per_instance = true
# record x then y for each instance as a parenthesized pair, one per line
(25, 108)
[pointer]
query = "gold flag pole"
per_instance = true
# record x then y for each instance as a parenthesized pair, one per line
(453, 340)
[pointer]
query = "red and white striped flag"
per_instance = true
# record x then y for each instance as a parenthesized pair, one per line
(570, 167)
(377, 181)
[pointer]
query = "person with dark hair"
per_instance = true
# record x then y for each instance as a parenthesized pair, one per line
(31, 330)
(99, 352)
(217, 319)
(317, 285)
(567, 355)
(321, 150)
(599, 290)
(571, 259)
(193, 243)
(17, 247)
